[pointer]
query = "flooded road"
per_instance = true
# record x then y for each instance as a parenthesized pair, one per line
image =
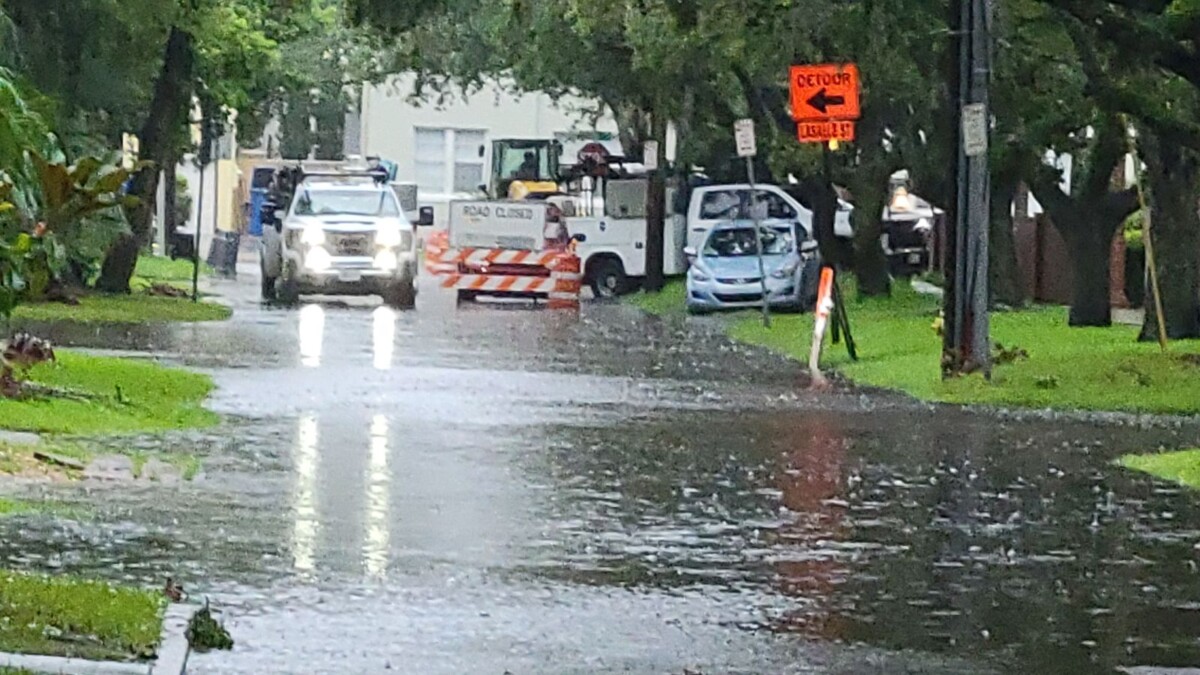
(498, 489)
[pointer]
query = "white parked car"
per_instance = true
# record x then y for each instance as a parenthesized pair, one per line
(341, 235)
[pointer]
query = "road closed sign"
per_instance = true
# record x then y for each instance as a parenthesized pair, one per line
(825, 92)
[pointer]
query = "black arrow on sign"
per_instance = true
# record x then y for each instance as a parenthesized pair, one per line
(821, 102)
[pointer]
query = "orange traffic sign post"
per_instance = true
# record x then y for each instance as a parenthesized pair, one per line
(825, 101)
(825, 92)
(823, 132)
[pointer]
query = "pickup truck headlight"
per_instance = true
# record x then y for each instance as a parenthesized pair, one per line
(389, 237)
(312, 236)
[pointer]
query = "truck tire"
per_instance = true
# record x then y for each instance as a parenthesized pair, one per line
(286, 287)
(401, 295)
(268, 283)
(607, 278)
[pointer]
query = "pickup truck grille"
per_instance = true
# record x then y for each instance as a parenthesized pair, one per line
(351, 244)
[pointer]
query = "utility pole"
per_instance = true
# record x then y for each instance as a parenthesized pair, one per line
(967, 345)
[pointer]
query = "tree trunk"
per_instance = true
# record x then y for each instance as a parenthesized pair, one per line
(870, 262)
(1091, 256)
(823, 199)
(1002, 247)
(169, 199)
(168, 111)
(656, 197)
(1174, 228)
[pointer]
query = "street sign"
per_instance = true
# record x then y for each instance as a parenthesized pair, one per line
(823, 132)
(743, 136)
(974, 129)
(650, 155)
(825, 92)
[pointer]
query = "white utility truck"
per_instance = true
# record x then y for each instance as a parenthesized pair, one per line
(612, 248)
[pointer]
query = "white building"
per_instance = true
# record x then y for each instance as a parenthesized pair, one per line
(438, 146)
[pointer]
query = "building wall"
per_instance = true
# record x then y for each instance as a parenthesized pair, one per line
(391, 124)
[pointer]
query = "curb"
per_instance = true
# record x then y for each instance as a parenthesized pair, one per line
(66, 666)
(173, 648)
(172, 654)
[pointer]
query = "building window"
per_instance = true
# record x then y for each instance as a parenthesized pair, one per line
(468, 165)
(447, 160)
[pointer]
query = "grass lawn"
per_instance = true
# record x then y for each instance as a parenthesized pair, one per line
(163, 269)
(1182, 467)
(137, 307)
(1067, 368)
(66, 616)
(129, 396)
(20, 507)
(133, 308)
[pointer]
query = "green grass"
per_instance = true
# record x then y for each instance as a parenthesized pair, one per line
(67, 616)
(132, 396)
(133, 308)
(1067, 368)
(163, 269)
(1182, 467)
(21, 507)
(668, 302)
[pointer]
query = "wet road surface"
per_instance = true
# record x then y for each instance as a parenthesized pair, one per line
(500, 489)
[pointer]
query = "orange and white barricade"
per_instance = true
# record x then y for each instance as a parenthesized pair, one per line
(554, 275)
(568, 281)
(437, 248)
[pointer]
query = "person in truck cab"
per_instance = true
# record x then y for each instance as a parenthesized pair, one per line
(528, 169)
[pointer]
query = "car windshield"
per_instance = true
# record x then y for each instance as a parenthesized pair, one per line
(737, 242)
(346, 203)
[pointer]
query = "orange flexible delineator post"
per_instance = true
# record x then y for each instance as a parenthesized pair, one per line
(821, 314)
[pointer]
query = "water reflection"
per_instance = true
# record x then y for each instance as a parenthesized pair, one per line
(379, 479)
(312, 335)
(383, 336)
(810, 482)
(305, 523)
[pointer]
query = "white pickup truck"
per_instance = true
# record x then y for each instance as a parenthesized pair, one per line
(613, 245)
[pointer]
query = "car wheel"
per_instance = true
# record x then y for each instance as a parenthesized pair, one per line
(401, 295)
(268, 284)
(607, 278)
(287, 289)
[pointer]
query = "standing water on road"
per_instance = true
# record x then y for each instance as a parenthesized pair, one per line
(500, 489)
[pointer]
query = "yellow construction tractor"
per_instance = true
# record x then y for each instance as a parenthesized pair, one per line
(524, 168)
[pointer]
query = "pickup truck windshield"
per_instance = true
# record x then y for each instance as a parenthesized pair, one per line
(346, 203)
(738, 242)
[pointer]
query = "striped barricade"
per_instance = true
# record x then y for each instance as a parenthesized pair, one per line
(499, 283)
(437, 248)
(568, 280)
(554, 275)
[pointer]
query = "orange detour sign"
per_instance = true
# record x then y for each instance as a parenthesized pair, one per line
(823, 132)
(825, 92)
